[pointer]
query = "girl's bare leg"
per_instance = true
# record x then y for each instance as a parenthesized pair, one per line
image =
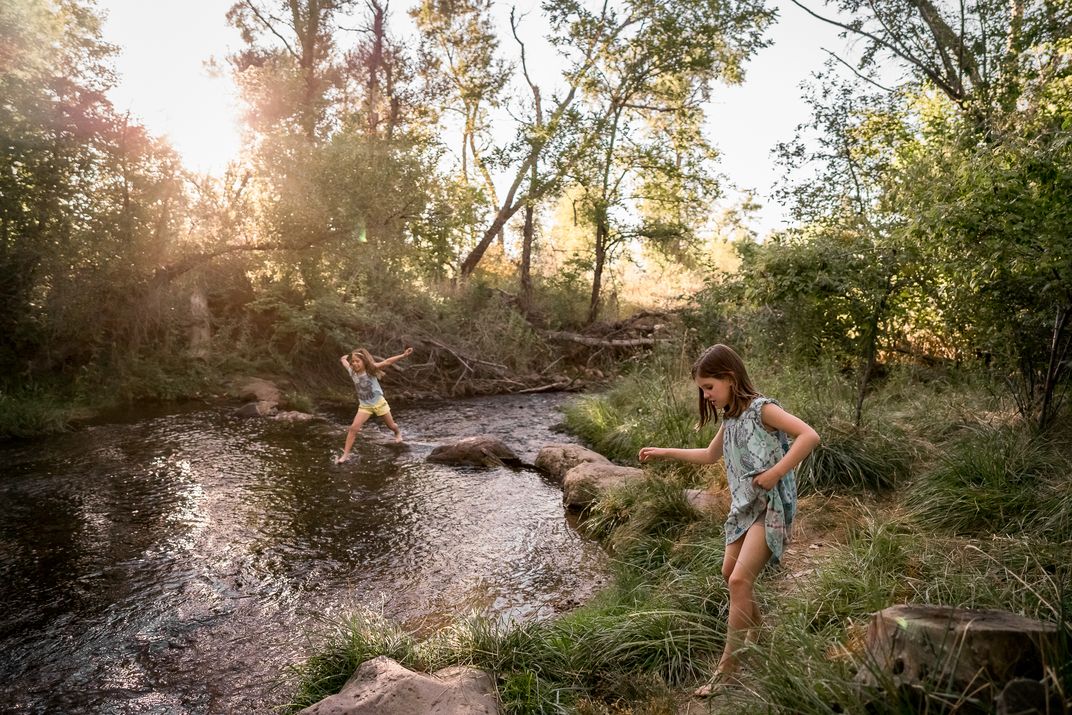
(359, 421)
(390, 422)
(744, 615)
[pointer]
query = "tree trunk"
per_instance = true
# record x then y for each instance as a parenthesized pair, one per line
(602, 231)
(1058, 352)
(525, 294)
(200, 324)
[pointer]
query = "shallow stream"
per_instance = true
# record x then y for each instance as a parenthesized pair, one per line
(177, 563)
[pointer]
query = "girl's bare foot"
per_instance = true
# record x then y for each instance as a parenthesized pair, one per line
(342, 458)
(719, 680)
(398, 438)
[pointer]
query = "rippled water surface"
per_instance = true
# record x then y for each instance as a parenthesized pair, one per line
(178, 563)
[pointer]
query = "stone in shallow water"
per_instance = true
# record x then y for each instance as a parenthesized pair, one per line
(381, 686)
(478, 451)
(557, 459)
(584, 483)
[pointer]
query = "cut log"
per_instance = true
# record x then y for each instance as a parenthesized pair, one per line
(958, 650)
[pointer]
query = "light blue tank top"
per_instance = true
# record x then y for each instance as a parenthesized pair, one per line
(368, 387)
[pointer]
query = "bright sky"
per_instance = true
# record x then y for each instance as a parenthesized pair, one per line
(163, 80)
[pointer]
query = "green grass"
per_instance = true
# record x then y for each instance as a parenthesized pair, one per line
(34, 412)
(993, 480)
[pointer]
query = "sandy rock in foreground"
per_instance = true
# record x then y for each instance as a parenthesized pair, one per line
(381, 686)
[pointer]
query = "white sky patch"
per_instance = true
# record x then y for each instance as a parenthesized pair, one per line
(163, 80)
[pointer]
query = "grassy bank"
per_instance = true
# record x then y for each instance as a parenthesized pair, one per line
(940, 497)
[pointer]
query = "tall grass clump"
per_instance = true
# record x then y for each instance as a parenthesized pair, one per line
(653, 506)
(869, 573)
(653, 405)
(855, 459)
(341, 647)
(33, 412)
(988, 481)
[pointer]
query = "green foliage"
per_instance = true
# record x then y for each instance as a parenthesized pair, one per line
(33, 412)
(655, 506)
(989, 481)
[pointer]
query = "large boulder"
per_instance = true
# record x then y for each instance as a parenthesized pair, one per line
(477, 451)
(256, 409)
(265, 393)
(584, 483)
(381, 686)
(557, 459)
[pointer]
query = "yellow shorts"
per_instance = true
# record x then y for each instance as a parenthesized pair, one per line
(378, 408)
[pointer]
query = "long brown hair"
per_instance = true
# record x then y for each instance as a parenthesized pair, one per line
(720, 361)
(366, 358)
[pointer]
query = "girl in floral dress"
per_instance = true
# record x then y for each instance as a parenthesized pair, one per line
(754, 441)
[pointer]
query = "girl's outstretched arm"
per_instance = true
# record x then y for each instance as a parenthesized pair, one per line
(805, 439)
(394, 358)
(706, 455)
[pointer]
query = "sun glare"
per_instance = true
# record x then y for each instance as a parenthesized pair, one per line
(163, 80)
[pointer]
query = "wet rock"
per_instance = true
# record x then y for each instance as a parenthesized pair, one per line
(963, 649)
(256, 388)
(477, 451)
(294, 416)
(256, 409)
(557, 459)
(584, 483)
(381, 686)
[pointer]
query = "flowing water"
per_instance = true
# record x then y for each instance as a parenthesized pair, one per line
(178, 563)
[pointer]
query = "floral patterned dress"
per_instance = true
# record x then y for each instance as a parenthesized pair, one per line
(749, 450)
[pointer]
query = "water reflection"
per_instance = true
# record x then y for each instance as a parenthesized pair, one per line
(174, 563)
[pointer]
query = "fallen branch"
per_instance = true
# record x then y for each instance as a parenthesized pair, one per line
(602, 343)
(560, 385)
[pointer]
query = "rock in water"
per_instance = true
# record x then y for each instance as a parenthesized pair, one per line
(479, 451)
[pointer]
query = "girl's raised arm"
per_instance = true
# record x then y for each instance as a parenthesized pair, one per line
(394, 358)
(705, 455)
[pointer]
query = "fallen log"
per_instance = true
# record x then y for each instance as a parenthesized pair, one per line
(602, 342)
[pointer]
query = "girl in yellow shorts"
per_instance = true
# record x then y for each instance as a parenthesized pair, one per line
(365, 372)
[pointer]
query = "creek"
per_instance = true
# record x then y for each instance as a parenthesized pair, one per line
(179, 562)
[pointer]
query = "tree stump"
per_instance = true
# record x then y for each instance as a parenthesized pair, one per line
(955, 650)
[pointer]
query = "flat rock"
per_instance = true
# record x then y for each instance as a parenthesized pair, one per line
(476, 451)
(382, 686)
(557, 459)
(584, 483)
(294, 416)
